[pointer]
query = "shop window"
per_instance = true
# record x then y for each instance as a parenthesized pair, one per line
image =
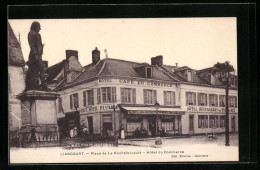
(128, 95)
(213, 121)
(88, 97)
(150, 96)
(203, 121)
(169, 97)
(222, 100)
(149, 72)
(60, 109)
(222, 121)
(168, 122)
(190, 99)
(232, 101)
(133, 122)
(106, 95)
(74, 101)
(202, 99)
(107, 122)
(213, 100)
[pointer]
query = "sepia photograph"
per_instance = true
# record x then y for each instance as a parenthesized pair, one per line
(117, 90)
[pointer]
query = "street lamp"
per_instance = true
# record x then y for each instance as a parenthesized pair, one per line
(224, 69)
(158, 140)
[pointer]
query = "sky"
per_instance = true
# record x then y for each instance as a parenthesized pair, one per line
(194, 42)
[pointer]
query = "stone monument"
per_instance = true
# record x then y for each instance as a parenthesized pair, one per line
(38, 103)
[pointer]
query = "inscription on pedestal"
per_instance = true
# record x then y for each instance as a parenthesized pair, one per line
(45, 112)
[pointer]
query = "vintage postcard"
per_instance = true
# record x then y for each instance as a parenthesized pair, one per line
(123, 90)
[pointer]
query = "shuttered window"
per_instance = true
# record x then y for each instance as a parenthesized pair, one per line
(150, 96)
(203, 121)
(169, 97)
(128, 95)
(190, 99)
(232, 101)
(74, 101)
(202, 99)
(106, 95)
(213, 100)
(222, 100)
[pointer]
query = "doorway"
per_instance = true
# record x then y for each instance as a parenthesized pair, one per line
(90, 125)
(191, 124)
(233, 124)
(152, 126)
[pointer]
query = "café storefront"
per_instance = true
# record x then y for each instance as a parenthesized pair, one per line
(144, 118)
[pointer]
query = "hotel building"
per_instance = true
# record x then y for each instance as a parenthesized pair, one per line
(111, 93)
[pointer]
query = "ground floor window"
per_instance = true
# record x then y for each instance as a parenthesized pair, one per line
(203, 121)
(133, 122)
(213, 121)
(132, 126)
(107, 122)
(222, 121)
(167, 125)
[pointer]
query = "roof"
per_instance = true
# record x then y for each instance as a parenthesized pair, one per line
(54, 70)
(15, 55)
(116, 67)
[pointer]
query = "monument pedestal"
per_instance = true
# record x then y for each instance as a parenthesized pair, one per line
(38, 116)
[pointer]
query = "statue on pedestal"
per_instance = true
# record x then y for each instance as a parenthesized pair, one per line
(36, 67)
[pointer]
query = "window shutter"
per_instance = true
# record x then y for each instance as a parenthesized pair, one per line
(84, 99)
(194, 99)
(235, 101)
(187, 99)
(98, 96)
(71, 105)
(165, 97)
(206, 121)
(134, 96)
(145, 96)
(199, 99)
(216, 100)
(93, 101)
(173, 98)
(229, 101)
(154, 96)
(113, 94)
(206, 99)
(122, 95)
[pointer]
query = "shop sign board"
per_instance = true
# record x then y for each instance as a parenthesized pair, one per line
(209, 109)
(135, 82)
(98, 108)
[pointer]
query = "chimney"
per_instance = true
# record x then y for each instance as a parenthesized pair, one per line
(95, 56)
(176, 65)
(45, 63)
(158, 60)
(70, 53)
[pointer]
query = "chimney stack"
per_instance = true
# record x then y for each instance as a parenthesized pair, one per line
(70, 53)
(95, 56)
(45, 63)
(176, 65)
(158, 60)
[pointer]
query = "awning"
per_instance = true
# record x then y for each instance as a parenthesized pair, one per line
(152, 111)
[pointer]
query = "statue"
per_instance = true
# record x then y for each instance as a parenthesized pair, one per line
(35, 64)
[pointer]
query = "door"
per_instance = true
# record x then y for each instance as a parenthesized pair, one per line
(90, 125)
(233, 124)
(191, 124)
(152, 126)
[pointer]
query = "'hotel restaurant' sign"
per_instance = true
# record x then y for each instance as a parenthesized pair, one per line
(96, 108)
(209, 109)
(133, 82)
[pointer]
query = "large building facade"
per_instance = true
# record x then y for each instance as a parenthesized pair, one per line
(109, 94)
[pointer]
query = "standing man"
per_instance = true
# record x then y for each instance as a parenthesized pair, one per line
(35, 64)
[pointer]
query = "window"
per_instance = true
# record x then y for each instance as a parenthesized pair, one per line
(88, 97)
(106, 95)
(190, 99)
(202, 99)
(222, 121)
(60, 109)
(74, 101)
(150, 96)
(149, 72)
(222, 100)
(213, 100)
(213, 121)
(203, 121)
(189, 75)
(133, 122)
(167, 125)
(169, 97)
(107, 122)
(232, 101)
(128, 95)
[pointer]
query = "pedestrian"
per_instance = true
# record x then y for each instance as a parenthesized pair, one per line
(122, 132)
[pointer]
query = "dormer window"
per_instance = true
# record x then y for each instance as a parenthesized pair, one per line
(189, 75)
(148, 72)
